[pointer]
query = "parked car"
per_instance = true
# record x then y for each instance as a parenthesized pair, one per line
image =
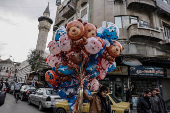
(25, 91)
(116, 106)
(44, 98)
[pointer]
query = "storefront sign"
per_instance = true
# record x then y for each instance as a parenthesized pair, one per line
(163, 5)
(120, 70)
(146, 71)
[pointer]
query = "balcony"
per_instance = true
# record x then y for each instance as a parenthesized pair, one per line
(59, 19)
(142, 5)
(83, 2)
(69, 10)
(139, 32)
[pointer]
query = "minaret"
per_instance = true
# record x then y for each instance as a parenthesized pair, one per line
(44, 27)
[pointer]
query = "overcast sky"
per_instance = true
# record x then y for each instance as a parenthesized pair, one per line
(19, 26)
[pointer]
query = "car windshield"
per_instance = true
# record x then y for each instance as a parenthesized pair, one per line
(114, 98)
(30, 87)
(51, 92)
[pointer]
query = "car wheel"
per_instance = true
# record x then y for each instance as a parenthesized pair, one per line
(40, 107)
(22, 97)
(60, 110)
(29, 101)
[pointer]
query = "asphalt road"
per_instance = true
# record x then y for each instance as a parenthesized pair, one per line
(21, 107)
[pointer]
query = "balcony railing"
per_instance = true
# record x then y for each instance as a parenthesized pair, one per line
(144, 5)
(83, 2)
(139, 31)
(148, 26)
(69, 10)
(59, 19)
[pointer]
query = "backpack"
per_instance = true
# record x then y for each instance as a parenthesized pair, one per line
(2, 98)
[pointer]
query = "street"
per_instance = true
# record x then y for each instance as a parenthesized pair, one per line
(21, 107)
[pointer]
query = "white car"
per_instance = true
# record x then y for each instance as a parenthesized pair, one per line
(44, 98)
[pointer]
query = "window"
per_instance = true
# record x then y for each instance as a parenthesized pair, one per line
(144, 24)
(118, 22)
(51, 92)
(166, 1)
(125, 21)
(84, 14)
(166, 32)
(133, 19)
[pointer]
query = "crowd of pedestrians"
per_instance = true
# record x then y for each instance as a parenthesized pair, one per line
(151, 102)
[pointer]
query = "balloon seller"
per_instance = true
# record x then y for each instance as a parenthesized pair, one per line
(79, 56)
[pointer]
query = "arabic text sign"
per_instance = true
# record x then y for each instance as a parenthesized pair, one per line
(146, 71)
(120, 70)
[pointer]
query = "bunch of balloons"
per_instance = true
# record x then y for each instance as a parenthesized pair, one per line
(80, 49)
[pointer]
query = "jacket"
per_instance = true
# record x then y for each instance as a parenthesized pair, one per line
(155, 105)
(128, 95)
(143, 105)
(95, 103)
(163, 107)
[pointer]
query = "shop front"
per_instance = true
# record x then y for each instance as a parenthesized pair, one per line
(144, 77)
(116, 81)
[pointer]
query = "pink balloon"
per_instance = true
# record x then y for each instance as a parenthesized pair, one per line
(94, 45)
(94, 85)
(54, 47)
(64, 43)
(101, 75)
(104, 63)
(52, 60)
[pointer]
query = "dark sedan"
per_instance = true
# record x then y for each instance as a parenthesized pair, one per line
(25, 91)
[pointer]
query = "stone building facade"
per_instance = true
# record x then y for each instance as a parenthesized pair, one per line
(144, 27)
(8, 69)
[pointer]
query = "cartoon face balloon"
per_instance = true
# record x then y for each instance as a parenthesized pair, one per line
(64, 43)
(54, 47)
(60, 31)
(94, 45)
(111, 32)
(52, 60)
(116, 49)
(90, 30)
(105, 63)
(75, 29)
(94, 85)
(51, 77)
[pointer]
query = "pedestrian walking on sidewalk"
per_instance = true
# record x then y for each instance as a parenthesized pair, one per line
(128, 95)
(163, 107)
(155, 102)
(143, 103)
